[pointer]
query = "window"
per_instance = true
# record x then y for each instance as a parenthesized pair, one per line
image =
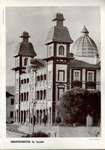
(21, 96)
(61, 50)
(27, 96)
(25, 61)
(60, 92)
(61, 75)
(44, 76)
(49, 77)
(37, 94)
(24, 80)
(24, 96)
(21, 81)
(41, 77)
(11, 114)
(41, 95)
(50, 51)
(12, 101)
(44, 94)
(76, 76)
(27, 80)
(38, 78)
(90, 76)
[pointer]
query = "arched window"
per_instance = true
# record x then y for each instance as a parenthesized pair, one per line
(25, 61)
(24, 96)
(44, 76)
(41, 77)
(38, 78)
(41, 93)
(38, 95)
(24, 81)
(21, 96)
(44, 94)
(27, 80)
(61, 50)
(27, 96)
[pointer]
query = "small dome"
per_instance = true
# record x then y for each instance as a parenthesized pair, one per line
(25, 48)
(84, 46)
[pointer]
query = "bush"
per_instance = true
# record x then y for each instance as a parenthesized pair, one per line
(58, 120)
(45, 119)
(37, 134)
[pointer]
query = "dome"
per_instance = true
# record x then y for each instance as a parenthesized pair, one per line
(84, 46)
(25, 48)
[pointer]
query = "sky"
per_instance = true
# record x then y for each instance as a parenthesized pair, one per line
(38, 20)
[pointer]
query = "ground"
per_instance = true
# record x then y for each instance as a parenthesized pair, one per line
(12, 131)
(60, 131)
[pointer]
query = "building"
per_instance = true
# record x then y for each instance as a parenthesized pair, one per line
(41, 82)
(10, 104)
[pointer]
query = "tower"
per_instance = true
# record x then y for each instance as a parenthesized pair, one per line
(58, 47)
(24, 52)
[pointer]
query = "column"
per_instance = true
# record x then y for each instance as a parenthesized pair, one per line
(40, 116)
(83, 78)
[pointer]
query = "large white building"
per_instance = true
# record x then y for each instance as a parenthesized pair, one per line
(41, 82)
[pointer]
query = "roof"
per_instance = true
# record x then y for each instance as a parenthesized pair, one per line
(58, 34)
(10, 90)
(8, 94)
(84, 46)
(81, 64)
(25, 48)
(40, 63)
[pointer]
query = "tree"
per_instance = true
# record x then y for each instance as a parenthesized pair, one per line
(45, 119)
(75, 104)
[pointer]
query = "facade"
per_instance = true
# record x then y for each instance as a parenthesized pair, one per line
(41, 82)
(10, 105)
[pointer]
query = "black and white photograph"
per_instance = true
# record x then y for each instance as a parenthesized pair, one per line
(53, 72)
(52, 75)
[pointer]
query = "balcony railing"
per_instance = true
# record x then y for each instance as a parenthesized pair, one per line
(77, 84)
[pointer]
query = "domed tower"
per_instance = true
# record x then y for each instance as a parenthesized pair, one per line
(58, 48)
(24, 52)
(84, 48)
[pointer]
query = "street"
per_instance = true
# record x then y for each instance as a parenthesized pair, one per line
(12, 131)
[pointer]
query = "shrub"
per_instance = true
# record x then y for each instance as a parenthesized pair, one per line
(58, 120)
(45, 119)
(37, 134)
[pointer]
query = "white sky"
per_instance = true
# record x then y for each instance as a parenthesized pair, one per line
(38, 20)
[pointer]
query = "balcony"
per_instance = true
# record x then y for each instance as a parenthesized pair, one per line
(90, 85)
(76, 84)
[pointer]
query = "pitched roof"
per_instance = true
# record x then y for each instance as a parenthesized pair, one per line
(10, 90)
(40, 63)
(81, 64)
(8, 94)
(59, 34)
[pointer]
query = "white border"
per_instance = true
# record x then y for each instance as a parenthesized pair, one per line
(49, 143)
